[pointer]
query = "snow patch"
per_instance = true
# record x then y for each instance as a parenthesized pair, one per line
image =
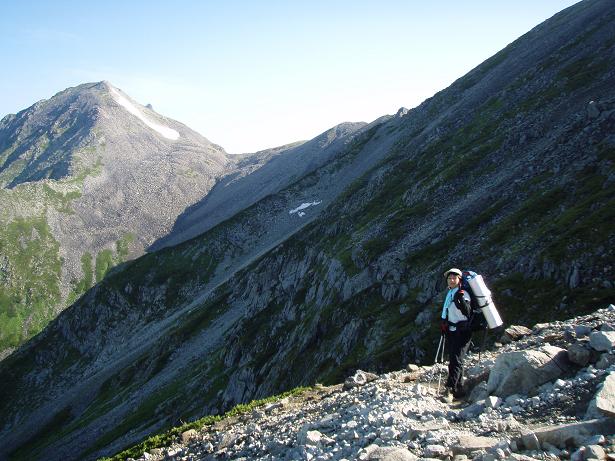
(165, 131)
(303, 206)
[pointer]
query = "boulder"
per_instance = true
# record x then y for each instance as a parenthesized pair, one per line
(602, 341)
(188, 435)
(307, 437)
(603, 403)
(573, 433)
(391, 454)
(472, 411)
(478, 392)
(228, 439)
(435, 451)
(469, 443)
(530, 441)
(594, 452)
(605, 361)
(359, 379)
(579, 354)
(582, 330)
(419, 428)
(524, 371)
(514, 333)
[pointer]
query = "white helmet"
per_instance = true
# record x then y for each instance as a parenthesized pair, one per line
(452, 270)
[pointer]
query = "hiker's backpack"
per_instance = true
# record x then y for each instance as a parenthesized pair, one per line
(483, 313)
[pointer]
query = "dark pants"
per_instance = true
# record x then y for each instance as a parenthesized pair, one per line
(458, 345)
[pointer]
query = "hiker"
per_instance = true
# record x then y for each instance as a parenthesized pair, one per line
(454, 325)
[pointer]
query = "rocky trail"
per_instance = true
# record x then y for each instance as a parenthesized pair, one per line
(543, 393)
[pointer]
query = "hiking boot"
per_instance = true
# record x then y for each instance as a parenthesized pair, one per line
(459, 395)
(447, 397)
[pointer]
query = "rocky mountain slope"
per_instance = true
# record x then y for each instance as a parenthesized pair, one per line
(545, 393)
(89, 179)
(257, 175)
(509, 171)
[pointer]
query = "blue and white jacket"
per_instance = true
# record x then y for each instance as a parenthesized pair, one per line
(450, 311)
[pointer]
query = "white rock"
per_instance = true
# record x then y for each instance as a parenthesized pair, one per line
(602, 341)
(360, 378)
(603, 403)
(308, 437)
(432, 451)
(559, 383)
(594, 451)
(390, 417)
(596, 440)
(389, 433)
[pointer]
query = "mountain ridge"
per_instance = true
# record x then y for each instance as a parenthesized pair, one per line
(257, 176)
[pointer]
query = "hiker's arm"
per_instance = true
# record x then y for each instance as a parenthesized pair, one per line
(462, 301)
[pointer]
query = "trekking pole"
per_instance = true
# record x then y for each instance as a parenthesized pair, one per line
(435, 362)
(442, 361)
(439, 346)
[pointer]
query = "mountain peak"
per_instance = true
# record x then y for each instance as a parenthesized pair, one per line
(43, 140)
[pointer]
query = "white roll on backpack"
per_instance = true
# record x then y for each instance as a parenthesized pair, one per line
(483, 298)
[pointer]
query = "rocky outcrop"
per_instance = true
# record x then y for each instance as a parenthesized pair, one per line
(523, 372)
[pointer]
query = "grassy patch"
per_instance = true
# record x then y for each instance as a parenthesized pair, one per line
(81, 286)
(583, 72)
(122, 247)
(29, 279)
(524, 301)
(537, 208)
(174, 434)
(104, 262)
(61, 200)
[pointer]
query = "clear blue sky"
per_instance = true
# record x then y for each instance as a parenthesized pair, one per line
(252, 75)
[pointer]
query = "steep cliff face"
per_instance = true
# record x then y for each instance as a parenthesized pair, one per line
(89, 179)
(509, 171)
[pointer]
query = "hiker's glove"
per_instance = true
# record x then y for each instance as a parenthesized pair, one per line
(444, 327)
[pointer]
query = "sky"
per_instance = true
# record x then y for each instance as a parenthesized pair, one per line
(254, 75)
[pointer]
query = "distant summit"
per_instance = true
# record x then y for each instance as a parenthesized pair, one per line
(99, 177)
